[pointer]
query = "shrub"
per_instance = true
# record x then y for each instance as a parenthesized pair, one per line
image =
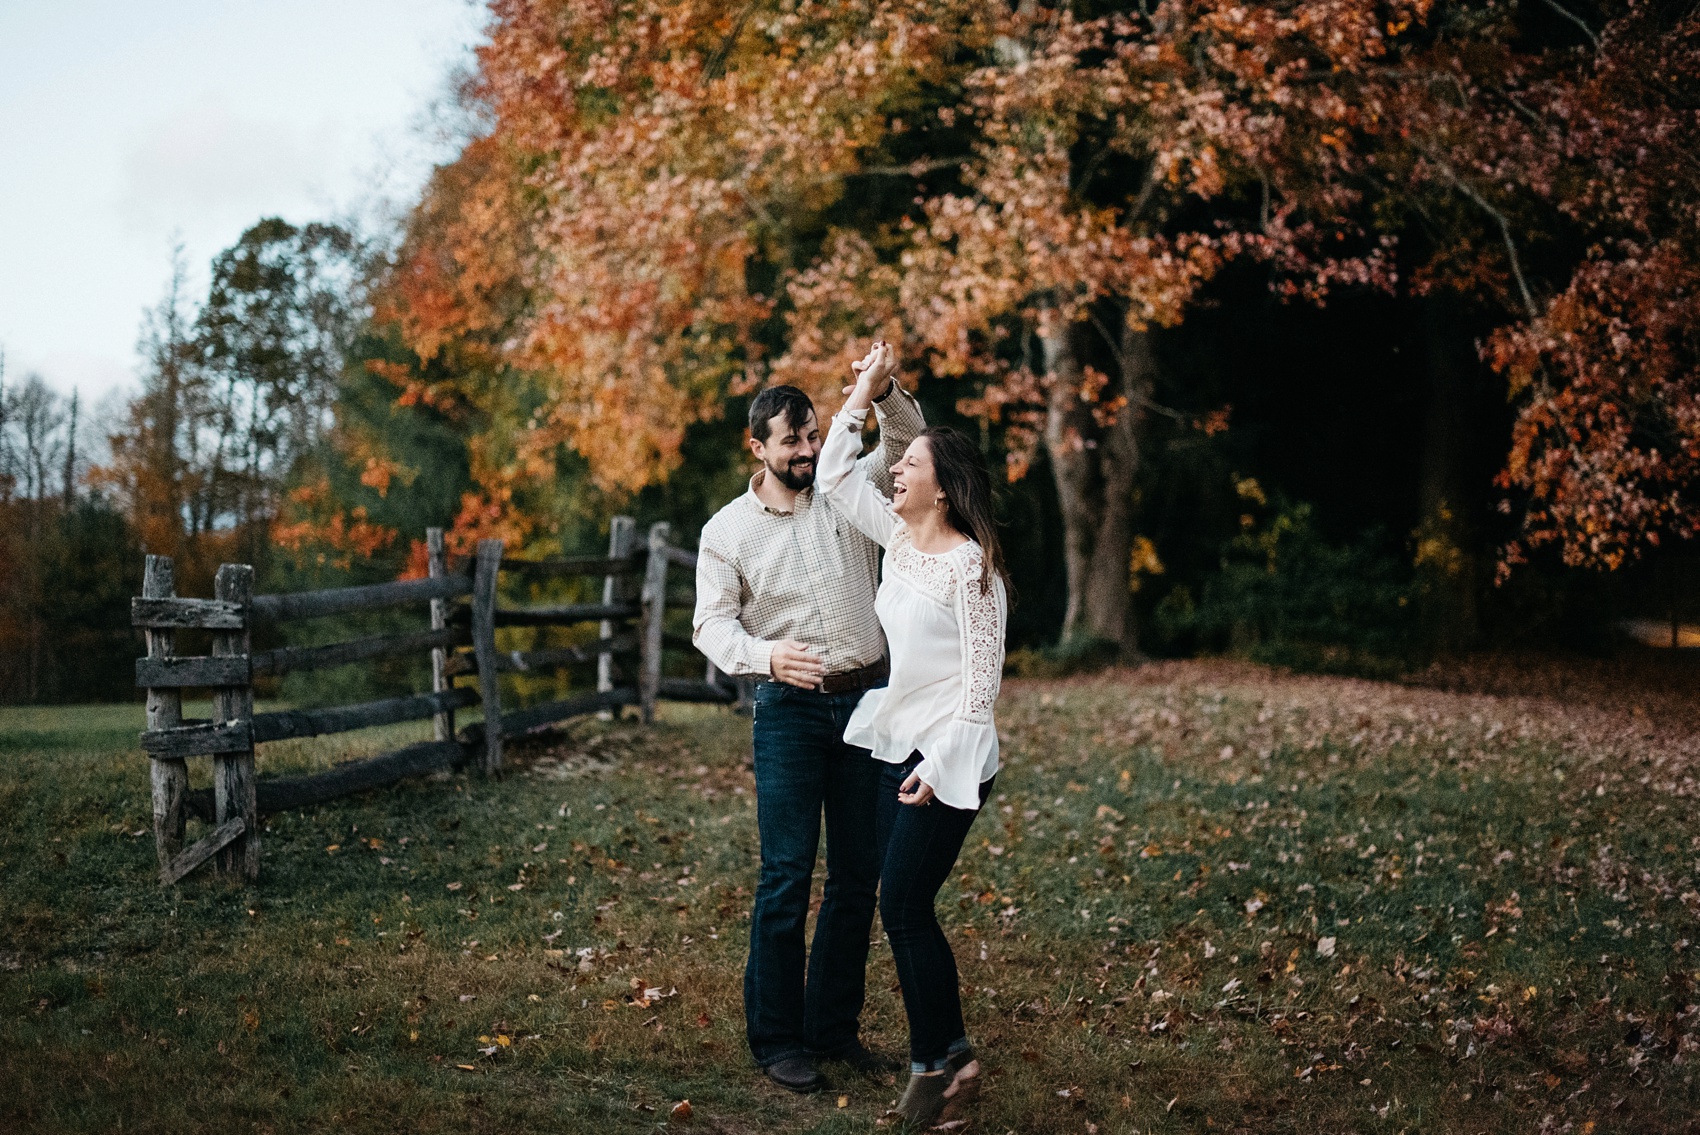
(1076, 655)
(1288, 597)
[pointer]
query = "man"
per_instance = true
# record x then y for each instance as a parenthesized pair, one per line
(785, 592)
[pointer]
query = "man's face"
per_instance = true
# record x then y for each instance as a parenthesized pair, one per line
(789, 453)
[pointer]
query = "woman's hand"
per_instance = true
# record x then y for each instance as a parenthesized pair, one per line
(915, 791)
(873, 373)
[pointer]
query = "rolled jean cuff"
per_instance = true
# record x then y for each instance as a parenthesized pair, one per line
(788, 1054)
(957, 1047)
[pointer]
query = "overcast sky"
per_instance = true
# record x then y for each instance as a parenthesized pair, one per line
(125, 127)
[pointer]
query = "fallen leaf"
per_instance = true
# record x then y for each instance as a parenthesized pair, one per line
(843, 1101)
(681, 1112)
(333, 849)
(1325, 947)
(455, 886)
(467, 1067)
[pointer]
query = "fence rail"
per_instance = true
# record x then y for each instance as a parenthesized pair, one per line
(461, 592)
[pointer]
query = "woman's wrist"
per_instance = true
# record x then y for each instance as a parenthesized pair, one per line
(861, 398)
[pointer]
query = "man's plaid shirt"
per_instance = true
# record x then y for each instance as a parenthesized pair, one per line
(809, 575)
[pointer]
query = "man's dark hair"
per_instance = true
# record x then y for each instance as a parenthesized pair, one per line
(777, 400)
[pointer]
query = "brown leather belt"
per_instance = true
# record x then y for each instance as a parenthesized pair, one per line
(856, 679)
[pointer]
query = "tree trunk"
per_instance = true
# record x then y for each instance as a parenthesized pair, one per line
(1447, 563)
(1094, 465)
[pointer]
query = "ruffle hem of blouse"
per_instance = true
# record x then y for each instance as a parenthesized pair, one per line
(958, 756)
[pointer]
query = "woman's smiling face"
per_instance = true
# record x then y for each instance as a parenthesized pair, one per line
(915, 484)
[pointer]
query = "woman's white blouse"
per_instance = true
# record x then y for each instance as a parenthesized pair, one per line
(945, 634)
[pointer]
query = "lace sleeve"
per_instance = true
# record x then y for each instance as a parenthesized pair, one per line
(980, 615)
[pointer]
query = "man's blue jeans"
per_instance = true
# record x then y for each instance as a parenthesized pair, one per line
(804, 770)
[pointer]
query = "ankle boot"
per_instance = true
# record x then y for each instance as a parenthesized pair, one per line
(923, 1099)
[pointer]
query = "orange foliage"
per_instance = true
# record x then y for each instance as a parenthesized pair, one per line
(578, 276)
(314, 528)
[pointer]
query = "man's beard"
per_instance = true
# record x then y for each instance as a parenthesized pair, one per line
(792, 477)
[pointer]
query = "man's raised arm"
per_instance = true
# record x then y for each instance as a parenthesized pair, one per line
(900, 421)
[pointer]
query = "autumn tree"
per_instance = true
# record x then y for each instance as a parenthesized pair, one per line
(271, 338)
(1605, 362)
(585, 269)
(237, 390)
(653, 220)
(642, 162)
(1121, 160)
(153, 470)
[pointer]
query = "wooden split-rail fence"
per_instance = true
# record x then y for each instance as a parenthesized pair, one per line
(464, 615)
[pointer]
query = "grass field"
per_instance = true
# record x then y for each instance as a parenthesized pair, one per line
(1205, 898)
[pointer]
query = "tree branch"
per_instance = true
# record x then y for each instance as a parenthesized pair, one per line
(1145, 192)
(1109, 340)
(911, 169)
(715, 65)
(1500, 219)
(1575, 19)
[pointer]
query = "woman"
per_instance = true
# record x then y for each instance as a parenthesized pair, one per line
(942, 603)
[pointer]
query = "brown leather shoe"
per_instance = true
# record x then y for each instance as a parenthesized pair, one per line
(796, 1074)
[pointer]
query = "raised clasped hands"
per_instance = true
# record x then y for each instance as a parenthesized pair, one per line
(873, 373)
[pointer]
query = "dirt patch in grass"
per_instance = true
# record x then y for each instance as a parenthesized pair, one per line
(1207, 896)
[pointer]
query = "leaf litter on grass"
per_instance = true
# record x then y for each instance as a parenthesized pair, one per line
(1220, 898)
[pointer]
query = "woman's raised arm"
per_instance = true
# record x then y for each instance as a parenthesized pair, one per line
(847, 486)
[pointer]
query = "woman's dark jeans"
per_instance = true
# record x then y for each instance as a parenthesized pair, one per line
(804, 770)
(920, 844)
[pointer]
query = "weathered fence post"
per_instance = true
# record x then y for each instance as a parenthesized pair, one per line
(443, 724)
(622, 538)
(484, 648)
(233, 773)
(654, 612)
(165, 711)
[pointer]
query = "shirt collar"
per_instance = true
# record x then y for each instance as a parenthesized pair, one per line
(804, 500)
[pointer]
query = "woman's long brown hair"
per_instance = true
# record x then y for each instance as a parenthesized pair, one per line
(968, 497)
